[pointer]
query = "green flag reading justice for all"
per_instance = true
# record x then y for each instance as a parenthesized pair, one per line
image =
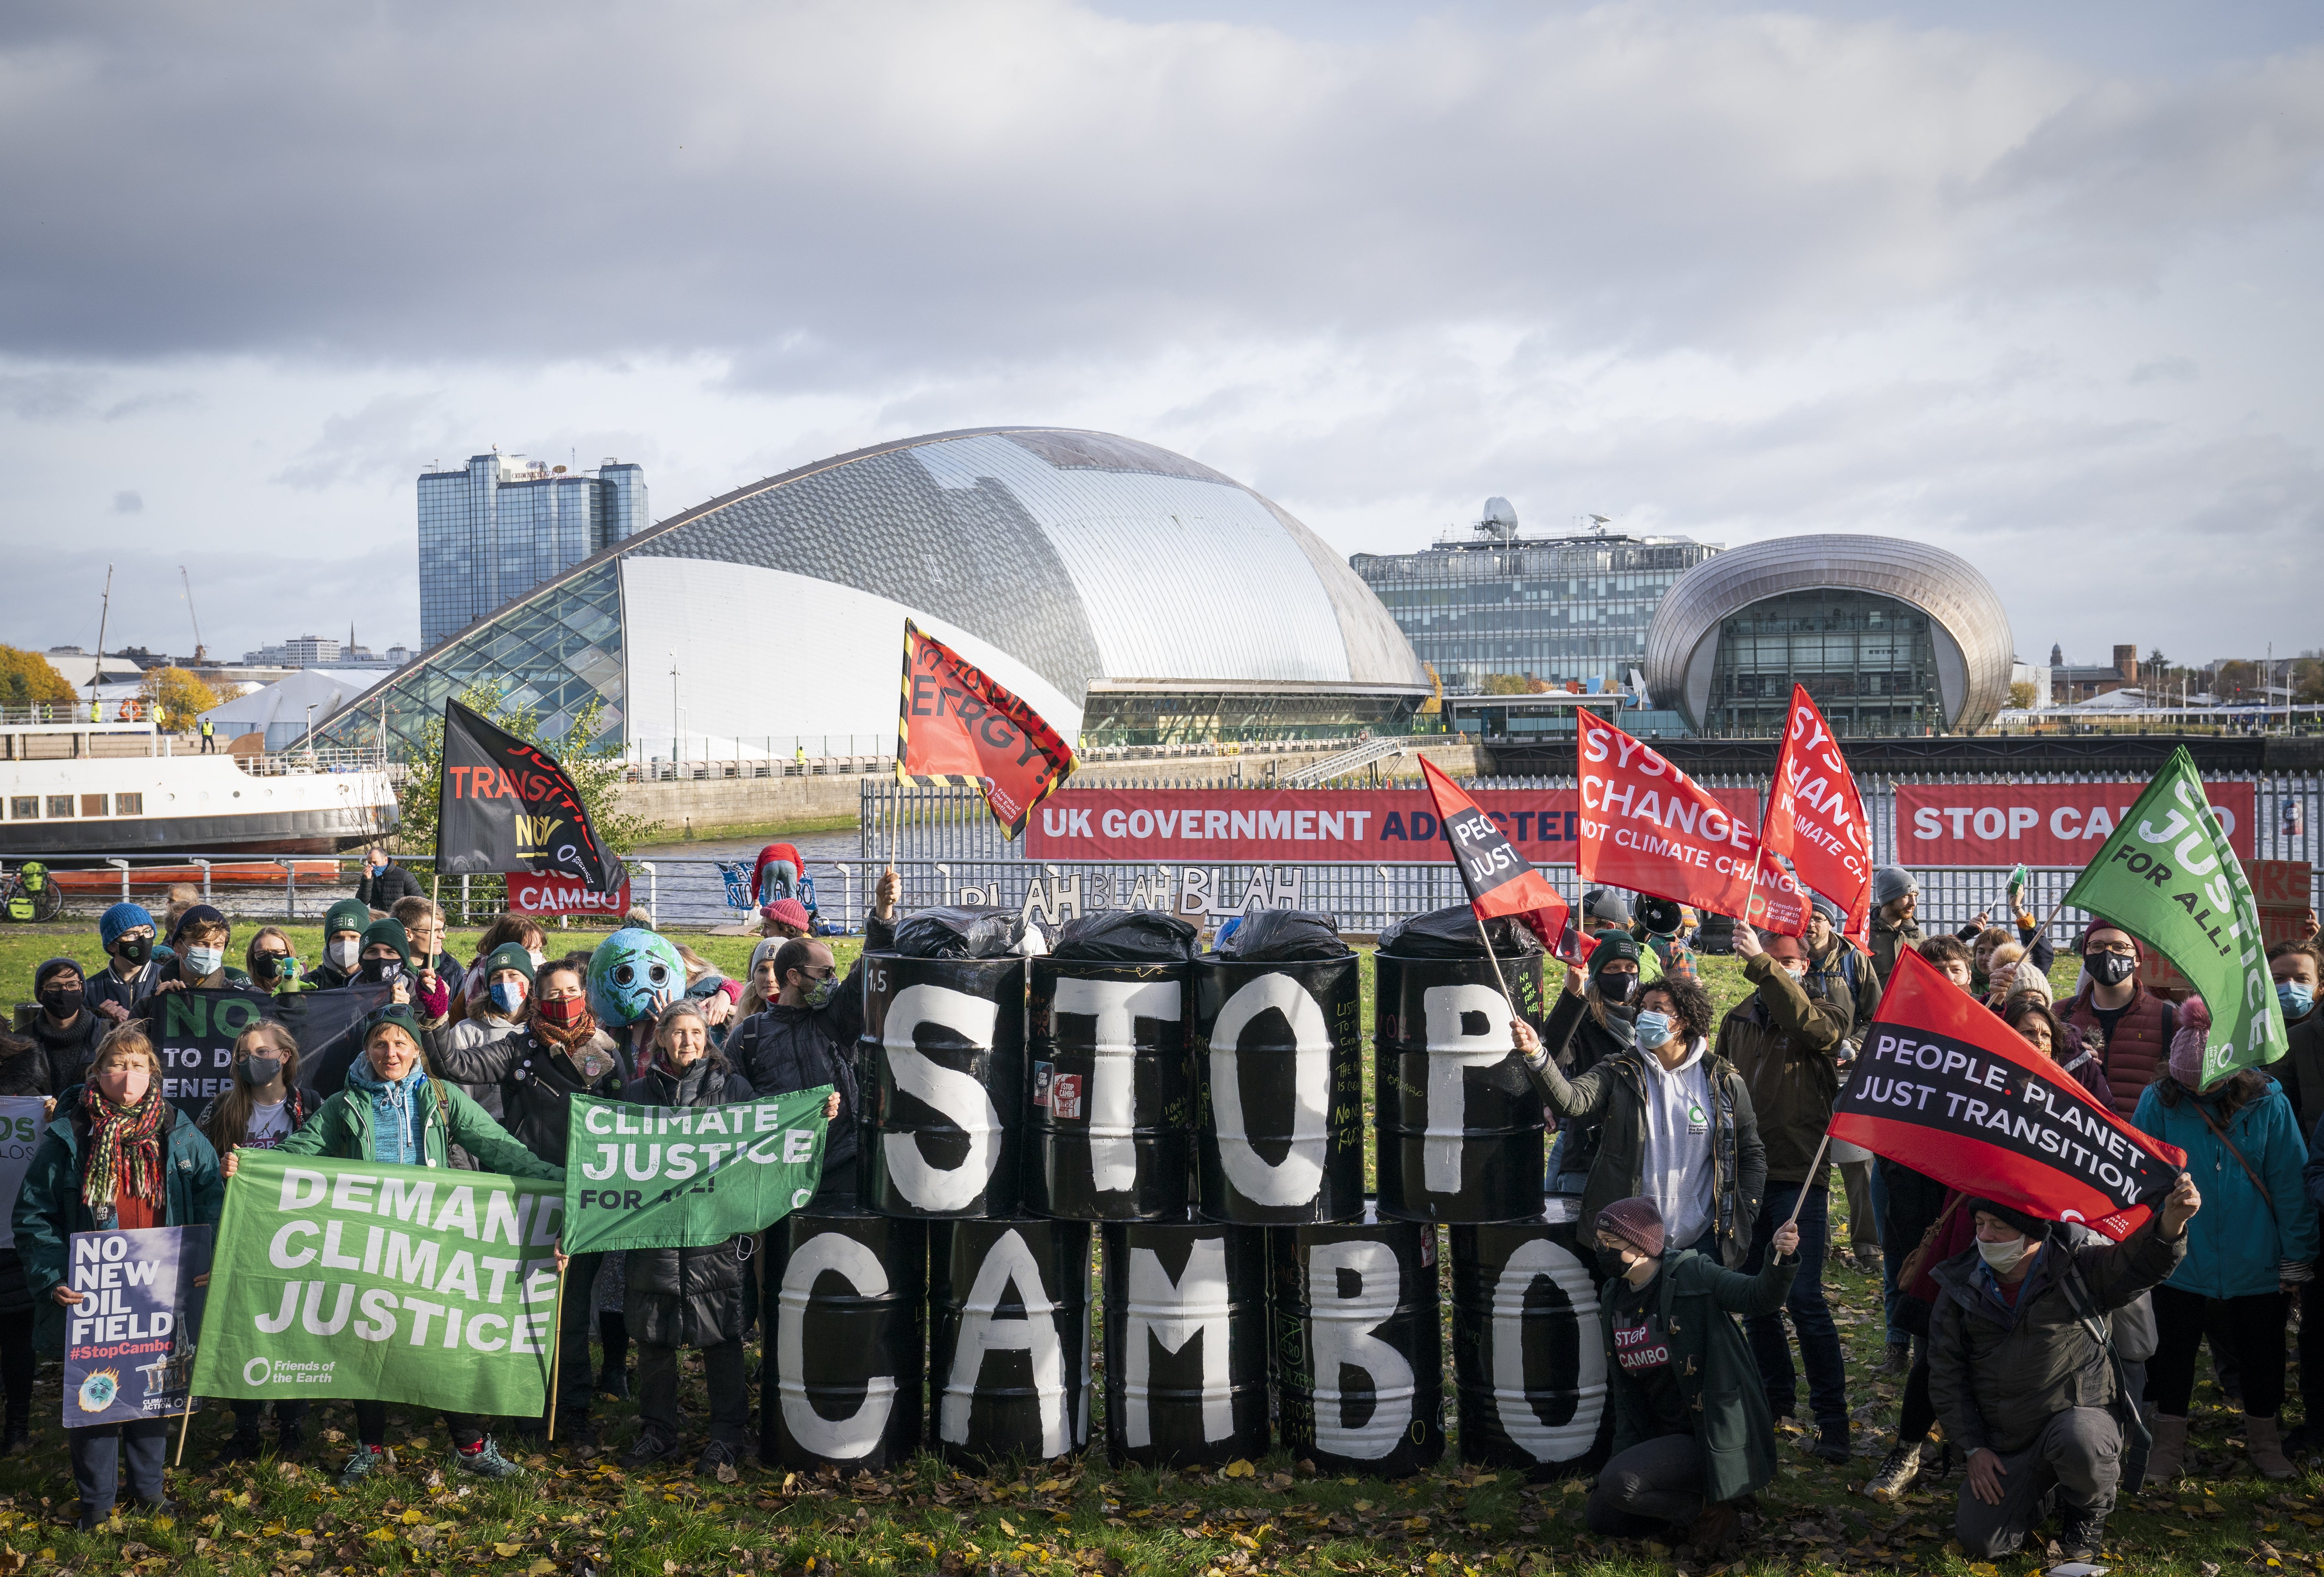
(2170, 877)
(345, 1279)
(681, 1177)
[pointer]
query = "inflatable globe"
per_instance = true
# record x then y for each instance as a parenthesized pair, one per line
(627, 971)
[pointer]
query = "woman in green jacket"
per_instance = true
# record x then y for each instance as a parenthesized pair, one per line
(1691, 1431)
(392, 1112)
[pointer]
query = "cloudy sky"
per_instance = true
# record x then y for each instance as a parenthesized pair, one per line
(2053, 298)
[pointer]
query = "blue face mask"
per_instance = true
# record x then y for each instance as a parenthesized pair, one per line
(1653, 1028)
(508, 996)
(2296, 999)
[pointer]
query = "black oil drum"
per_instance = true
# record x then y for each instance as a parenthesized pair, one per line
(1009, 1366)
(1359, 1347)
(1185, 1343)
(1529, 1351)
(847, 1295)
(943, 1076)
(1279, 1107)
(1110, 1108)
(1459, 1129)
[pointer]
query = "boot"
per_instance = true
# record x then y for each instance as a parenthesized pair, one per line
(2263, 1439)
(2168, 1454)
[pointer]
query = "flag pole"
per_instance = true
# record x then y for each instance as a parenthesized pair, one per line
(1814, 1168)
(2044, 926)
(1499, 977)
(556, 1354)
(185, 1424)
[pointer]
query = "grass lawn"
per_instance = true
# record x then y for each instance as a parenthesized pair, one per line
(577, 1518)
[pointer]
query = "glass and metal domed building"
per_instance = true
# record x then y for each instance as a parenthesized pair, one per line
(1131, 595)
(1890, 637)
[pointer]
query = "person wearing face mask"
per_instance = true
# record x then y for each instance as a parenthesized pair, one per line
(131, 971)
(507, 975)
(67, 1028)
(2256, 1245)
(2129, 1025)
(2024, 1376)
(383, 883)
(1590, 1023)
(117, 1155)
(1896, 899)
(1837, 971)
(522, 929)
(343, 924)
(2298, 969)
(273, 964)
(23, 1071)
(1786, 1043)
(261, 1106)
(1673, 1121)
(392, 1111)
(1692, 1434)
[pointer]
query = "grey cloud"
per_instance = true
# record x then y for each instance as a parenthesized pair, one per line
(126, 503)
(2165, 368)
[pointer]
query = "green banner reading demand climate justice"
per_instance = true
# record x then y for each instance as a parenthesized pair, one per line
(339, 1279)
(684, 1177)
(2170, 877)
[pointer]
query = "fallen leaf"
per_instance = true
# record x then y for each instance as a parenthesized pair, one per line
(1006, 1528)
(1237, 1469)
(729, 1474)
(505, 1550)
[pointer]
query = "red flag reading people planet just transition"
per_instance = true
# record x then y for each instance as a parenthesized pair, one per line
(1815, 818)
(956, 724)
(1647, 826)
(1499, 880)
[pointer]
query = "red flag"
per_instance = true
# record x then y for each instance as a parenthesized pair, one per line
(1648, 827)
(1945, 1087)
(1500, 881)
(1815, 818)
(954, 725)
(1778, 902)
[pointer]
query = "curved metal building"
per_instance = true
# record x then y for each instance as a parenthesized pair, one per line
(1890, 637)
(1129, 594)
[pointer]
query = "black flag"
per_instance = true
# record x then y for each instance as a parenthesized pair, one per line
(506, 807)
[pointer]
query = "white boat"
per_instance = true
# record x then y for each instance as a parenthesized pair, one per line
(84, 804)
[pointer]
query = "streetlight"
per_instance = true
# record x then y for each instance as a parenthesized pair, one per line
(309, 744)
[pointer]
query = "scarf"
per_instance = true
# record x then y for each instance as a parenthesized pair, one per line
(124, 1146)
(396, 1112)
(563, 1038)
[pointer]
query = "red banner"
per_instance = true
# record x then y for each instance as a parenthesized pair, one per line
(1815, 818)
(564, 895)
(1386, 827)
(1779, 902)
(1649, 827)
(2035, 824)
(956, 724)
(1499, 880)
(1943, 1086)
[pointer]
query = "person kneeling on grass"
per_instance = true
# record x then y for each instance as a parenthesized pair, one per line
(2024, 1374)
(392, 1111)
(1691, 1431)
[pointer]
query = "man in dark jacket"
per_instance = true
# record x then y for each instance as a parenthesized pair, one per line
(1786, 1044)
(2023, 1376)
(2130, 1025)
(1585, 1026)
(344, 925)
(67, 1028)
(2299, 971)
(383, 883)
(131, 971)
(1895, 894)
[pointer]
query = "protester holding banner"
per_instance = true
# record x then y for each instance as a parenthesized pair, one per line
(2026, 1380)
(1590, 1023)
(273, 965)
(199, 939)
(423, 923)
(23, 1070)
(2033, 1018)
(2114, 1011)
(504, 1009)
(18, 1352)
(2298, 969)
(1895, 895)
(67, 1028)
(125, 931)
(118, 1155)
(343, 924)
(1673, 1121)
(1786, 1045)
(2255, 1244)
(1984, 940)
(521, 929)
(1691, 1434)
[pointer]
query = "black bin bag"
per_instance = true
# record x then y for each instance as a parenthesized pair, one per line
(1452, 933)
(1127, 936)
(960, 931)
(1284, 937)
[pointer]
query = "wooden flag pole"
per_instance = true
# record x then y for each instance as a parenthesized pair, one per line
(185, 1424)
(1491, 957)
(2044, 926)
(1815, 1168)
(557, 1355)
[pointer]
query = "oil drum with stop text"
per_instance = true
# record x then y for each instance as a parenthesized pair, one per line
(1459, 1123)
(1185, 1342)
(1528, 1350)
(1109, 1106)
(1279, 1078)
(847, 1296)
(944, 1079)
(1358, 1346)
(1009, 1360)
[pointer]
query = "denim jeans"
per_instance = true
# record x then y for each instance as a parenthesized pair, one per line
(1820, 1351)
(100, 1453)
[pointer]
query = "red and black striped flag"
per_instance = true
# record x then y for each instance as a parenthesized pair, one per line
(956, 725)
(1500, 881)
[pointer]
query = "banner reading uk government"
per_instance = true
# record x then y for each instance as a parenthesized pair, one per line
(2170, 877)
(346, 1279)
(681, 1177)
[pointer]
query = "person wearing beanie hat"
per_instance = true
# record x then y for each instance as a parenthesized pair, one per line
(1692, 1432)
(784, 918)
(2128, 1025)
(506, 1007)
(131, 971)
(1895, 894)
(2026, 1386)
(344, 925)
(1590, 1023)
(1602, 910)
(2257, 1241)
(67, 1028)
(1838, 972)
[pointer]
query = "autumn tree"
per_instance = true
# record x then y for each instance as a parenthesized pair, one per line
(176, 698)
(27, 678)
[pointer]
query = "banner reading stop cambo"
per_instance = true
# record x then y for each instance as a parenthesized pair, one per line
(2035, 824)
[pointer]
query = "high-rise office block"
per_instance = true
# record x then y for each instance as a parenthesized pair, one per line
(497, 529)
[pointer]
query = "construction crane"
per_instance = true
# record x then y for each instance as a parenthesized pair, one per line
(188, 580)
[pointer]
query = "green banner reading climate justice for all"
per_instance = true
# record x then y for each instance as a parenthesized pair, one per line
(344, 1279)
(681, 1177)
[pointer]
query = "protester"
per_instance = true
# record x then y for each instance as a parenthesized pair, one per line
(1950, 959)
(131, 972)
(1986, 939)
(67, 1028)
(1786, 1045)
(522, 929)
(423, 922)
(273, 966)
(1674, 1122)
(1836, 970)
(775, 874)
(1692, 1434)
(689, 1297)
(201, 939)
(1656, 931)
(383, 883)
(2256, 1243)
(710, 990)
(391, 1111)
(2298, 968)
(559, 1053)
(116, 1155)
(784, 918)
(24, 1067)
(761, 988)
(343, 924)
(2129, 1027)
(19, 1351)
(1584, 1029)
(2024, 1376)
(1895, 895)
(506, 974)
(261, 1105)
(1603, 910)
(2062, 1042)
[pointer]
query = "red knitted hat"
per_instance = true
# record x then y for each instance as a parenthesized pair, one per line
(1638, 1221)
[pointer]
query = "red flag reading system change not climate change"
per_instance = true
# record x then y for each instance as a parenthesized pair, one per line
(1499, 880)
(505, 805)
(1815, 818)
(1943, 1086)
(1647, 826)
(956, 725)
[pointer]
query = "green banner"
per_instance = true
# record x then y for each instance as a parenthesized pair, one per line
(2170, 877)
(684, 1177)
(342, 1279)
